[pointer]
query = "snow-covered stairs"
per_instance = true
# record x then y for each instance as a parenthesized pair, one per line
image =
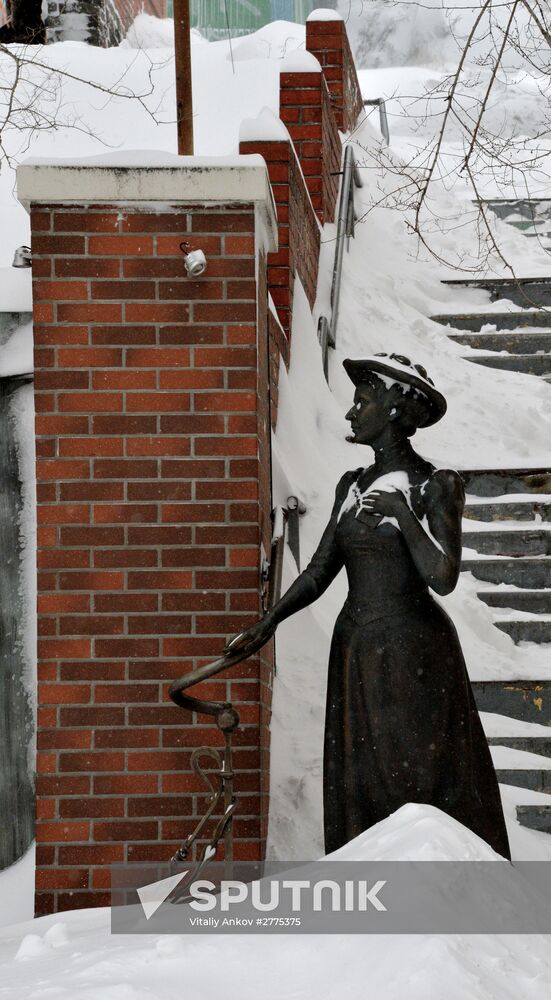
(507, 542)
(519, 339)
(523, 760)
(517, 716)
(507, 529)
(507, 547)
(529, 215)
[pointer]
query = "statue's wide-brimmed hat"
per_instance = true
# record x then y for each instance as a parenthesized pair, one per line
(401, 369)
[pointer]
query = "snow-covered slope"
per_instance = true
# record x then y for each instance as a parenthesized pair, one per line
(73, 956)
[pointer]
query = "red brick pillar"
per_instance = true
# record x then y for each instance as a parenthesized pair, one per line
(305, 108)
(328, 41)
(153, 478)
(298, 228)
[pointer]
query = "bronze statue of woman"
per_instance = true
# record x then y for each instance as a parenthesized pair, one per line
(401, 721)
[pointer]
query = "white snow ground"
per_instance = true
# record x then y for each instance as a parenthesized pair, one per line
(72, 956)
(17, 890)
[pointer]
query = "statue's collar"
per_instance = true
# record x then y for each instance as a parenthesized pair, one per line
(395, 456)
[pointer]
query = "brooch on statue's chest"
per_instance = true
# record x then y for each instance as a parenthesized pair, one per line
(355, 512)
(355, 507)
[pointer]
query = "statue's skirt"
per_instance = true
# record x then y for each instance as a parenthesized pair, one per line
(402, 725)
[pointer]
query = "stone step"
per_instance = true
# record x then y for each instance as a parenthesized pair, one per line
(540, 231)
(529, 215)
(526, 292)
(531, 744)
(526, 631)
(537, 781)
(500, 320)
(536, 601)
(528, 364)
(519, 210)
(500, 482)
(515, 511)
(535, 817)
(527, 700)
(516, 543)
(530, 574)
(515, 343)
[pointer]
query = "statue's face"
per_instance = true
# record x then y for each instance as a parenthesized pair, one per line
(368, 414)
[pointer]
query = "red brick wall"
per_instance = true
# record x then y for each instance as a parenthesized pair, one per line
(332, 157)
(305, 108)
(328, 42)
(304, 234)
(278, 348)
(153, 496)
(298, 228)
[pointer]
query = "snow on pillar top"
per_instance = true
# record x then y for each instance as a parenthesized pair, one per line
(324, 14)
(266, 127)
(300, 61)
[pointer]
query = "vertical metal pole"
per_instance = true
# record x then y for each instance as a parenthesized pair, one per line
(342, 217)
(182, 60)
(228, 797)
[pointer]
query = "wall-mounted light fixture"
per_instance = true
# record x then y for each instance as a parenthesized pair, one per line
(22, 257)
(195, 261)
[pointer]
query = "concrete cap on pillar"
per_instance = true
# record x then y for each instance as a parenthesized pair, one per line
(152, 178)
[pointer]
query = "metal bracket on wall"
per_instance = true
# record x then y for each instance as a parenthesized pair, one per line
(295, 508)
(285, 528)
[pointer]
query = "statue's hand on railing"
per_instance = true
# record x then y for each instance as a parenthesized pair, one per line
(243, 645)
(252, 639)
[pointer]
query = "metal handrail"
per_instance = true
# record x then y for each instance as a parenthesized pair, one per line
(227, 719)
(346, 217)
(379, 102)
(285, 519)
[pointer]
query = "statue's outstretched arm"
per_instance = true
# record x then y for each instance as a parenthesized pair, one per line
(326, 562)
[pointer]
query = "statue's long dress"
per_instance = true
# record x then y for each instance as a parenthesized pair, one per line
(401, 721)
